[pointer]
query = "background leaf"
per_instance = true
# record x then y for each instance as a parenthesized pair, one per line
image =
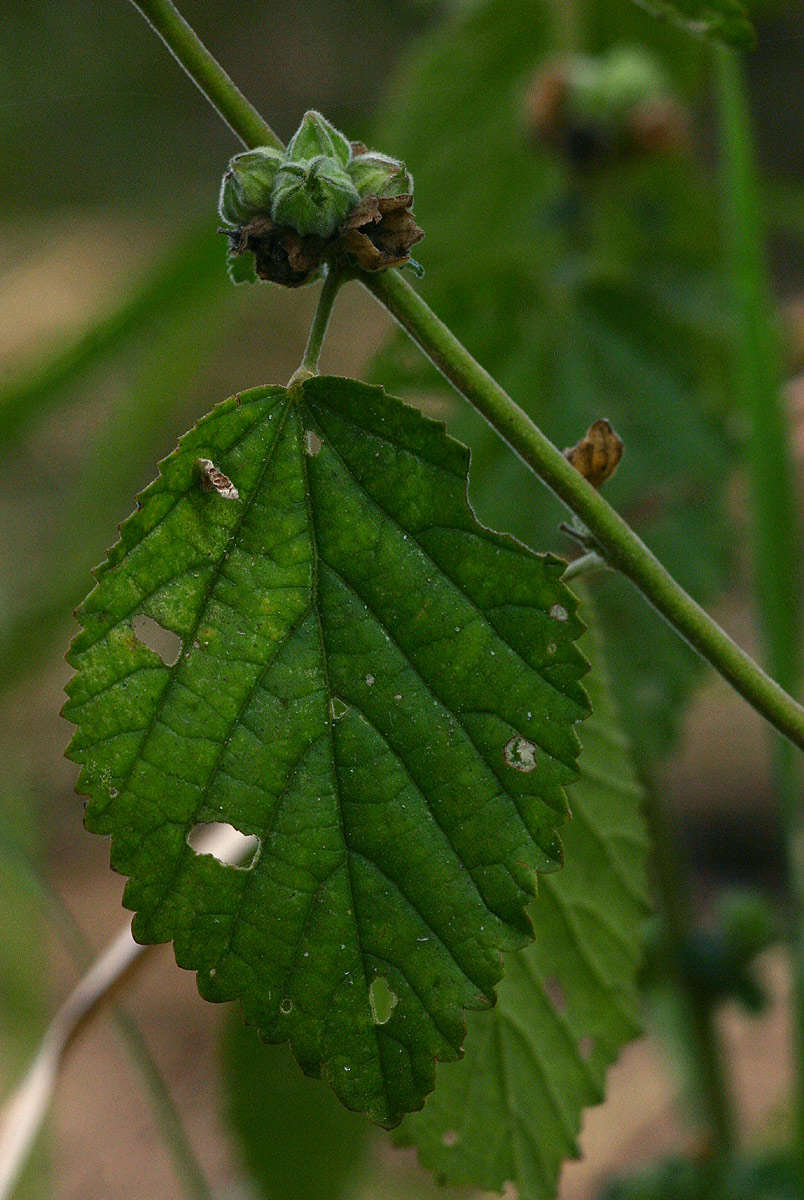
(379, 689)
(297, 1140)
(588, 294)
(511, 1110)
(725, 20)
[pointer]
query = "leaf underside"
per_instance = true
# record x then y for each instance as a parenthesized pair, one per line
(511, 1110)
(377, 687)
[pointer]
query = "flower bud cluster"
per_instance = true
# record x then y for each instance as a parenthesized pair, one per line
(323, 199)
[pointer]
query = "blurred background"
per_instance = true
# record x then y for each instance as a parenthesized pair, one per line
(119, 328)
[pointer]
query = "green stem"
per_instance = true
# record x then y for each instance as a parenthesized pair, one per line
(318, 329)
(673, 890)
(209, 76)
(775, 533)
(621, 546)
(618, 543)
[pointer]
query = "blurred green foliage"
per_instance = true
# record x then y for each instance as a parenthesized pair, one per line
(97, 118)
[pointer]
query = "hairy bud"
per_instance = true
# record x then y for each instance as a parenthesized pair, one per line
(312, 196)
(376, 174)
(247, 185)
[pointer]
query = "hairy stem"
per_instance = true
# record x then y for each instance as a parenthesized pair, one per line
(673, 890)
(619, 544)
(318, 329)
(775, 533)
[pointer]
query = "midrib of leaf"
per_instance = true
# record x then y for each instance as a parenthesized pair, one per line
(322, 642)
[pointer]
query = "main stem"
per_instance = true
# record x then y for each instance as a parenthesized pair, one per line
(617, 541)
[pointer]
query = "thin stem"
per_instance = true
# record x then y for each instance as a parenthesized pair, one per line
(166, 1117)
(318, 329)
(621, 546)
(584, 565)
(673, 890)
(209, 76)
(23, 1113)
(618, 543)
(775, 533)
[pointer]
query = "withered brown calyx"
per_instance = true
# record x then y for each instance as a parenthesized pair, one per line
(281, 255)
(378, 233)
(597, 455)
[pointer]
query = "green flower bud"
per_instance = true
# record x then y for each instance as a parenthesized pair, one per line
(629, 77)
(313, 197)
(607, 88)
(246, 187)
(376, 174)
(315, 136)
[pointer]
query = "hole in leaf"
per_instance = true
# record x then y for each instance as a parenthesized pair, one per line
(312, 443)
(382, 1000)
(586, 1047)
(163, 642)
(337, 708)
(559, 613)
(231, 847)
(520, 753)
(555, 993)
(450, 1138)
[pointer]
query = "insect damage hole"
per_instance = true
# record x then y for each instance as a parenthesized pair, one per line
(231, 847)
(163, 642)
(520, 754)
(382, 1000)
(213, 480)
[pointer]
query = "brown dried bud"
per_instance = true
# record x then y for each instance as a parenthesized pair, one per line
(380, 231)
(597, 455)
(281, 255)
(545, 105)
(658, 126)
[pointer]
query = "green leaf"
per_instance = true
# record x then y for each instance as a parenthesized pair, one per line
(724, 20)
(511, 1110)
(770, 1176)
(377, 687)
(240, 268)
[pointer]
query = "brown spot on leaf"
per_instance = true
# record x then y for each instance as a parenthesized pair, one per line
(597, 455)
